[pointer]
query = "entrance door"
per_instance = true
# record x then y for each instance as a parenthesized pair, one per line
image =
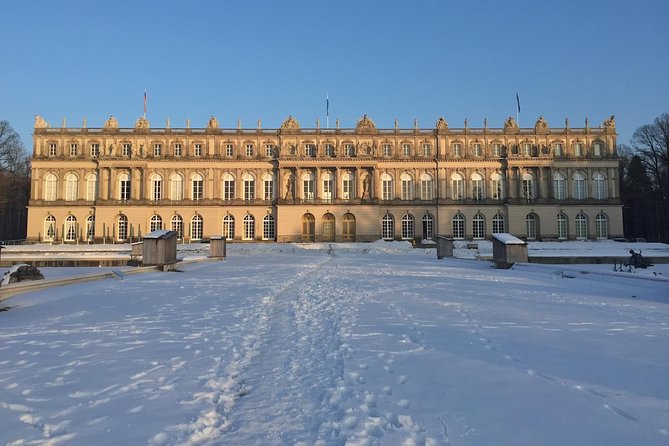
(348, 232)
(308, 228)
(328, 228)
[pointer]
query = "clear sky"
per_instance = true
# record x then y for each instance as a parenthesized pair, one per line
(251, 60)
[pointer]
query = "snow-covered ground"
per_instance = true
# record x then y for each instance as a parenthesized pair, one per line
(344, 344)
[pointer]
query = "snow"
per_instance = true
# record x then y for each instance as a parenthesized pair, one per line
(508, 239)
(356, 344)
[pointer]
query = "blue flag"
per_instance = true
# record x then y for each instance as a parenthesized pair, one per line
(518, 101)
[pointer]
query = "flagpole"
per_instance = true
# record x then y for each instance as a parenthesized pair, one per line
(144, 104)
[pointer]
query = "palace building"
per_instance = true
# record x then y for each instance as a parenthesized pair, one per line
(291, 184)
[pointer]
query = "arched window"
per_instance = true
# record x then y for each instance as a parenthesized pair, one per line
(528, 192)
(426, 187)
(156, 223)
(531, 226)
(124, 187)
(176, 187)
(407, 186)
(428, 227)
(328, 228)
(122, 228)
(581, 227)
(268, 232)
(579, 186)
(156, 187)
(197, 187)
(388, 227)
(600, 186)
(457, 186)
(91, 187)
(407, 227)
(49, 228)
(71, 228)
(228, 187)
(559, 186)
(90, 228)
(249, 187)
(327, 193)
(497, 186)
(249, 227)
(387, 187)
(268, 187)
(498, 223)
(229, 227)
(178, 226)
(50, 187)
(478, 226)
(308, 227)
(196, 224)
(308, 186)
(71, 187)
(562, 226)
(602, 226)
(458, 226)
(347, 186)
(348, 231)
(477, 186)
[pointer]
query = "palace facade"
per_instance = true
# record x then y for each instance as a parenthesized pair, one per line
(290, 184)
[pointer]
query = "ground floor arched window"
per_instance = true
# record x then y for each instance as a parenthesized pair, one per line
(196, 224)
(122, 228)
(308, 228)
(268, 228)
(458, 227)
(562, 226)
(388, 227)
(581, 227)
(428, 227)
(49, 228)
(178, 226)
(478, 226)
(407, 227)
(249, 227)
(531, 225)
(70, 228)
(602, 226)
(348, 231)
(229, 227)
(156, 223)
(498, 223)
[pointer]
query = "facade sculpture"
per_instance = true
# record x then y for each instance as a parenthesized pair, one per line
(362, 183)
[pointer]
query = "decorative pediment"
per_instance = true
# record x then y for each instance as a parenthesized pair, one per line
(111, 123)
(442, 124)
(510, 125)
(40, 123)
(365, 125)
(290, 124)
(541, 124)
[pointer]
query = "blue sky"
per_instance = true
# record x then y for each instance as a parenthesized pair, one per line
(408, 60)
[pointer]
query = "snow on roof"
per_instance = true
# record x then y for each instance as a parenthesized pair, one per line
(159, 234)
(508, 239)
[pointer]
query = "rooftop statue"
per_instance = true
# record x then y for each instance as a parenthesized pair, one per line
(111, 123)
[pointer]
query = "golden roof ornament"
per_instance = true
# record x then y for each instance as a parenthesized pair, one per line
(365, 124)
(111, 123)
(290, 124)
(142, 123)
(213, 123)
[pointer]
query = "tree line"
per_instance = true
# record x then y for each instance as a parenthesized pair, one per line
(644, 182)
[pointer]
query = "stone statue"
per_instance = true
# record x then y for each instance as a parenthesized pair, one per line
(441, 124)
(510, 123)
(40, 123)
(541, 123)
(213, 123)
(111, 123)
(142, 123)
(611, 122)
(289, 188)
(366, 183)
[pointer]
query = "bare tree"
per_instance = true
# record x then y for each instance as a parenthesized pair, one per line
(14, 183)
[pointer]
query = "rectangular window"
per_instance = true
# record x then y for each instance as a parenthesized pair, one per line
(177, 149)
(269, 150)
(126, 149)
(597, 148)
(95, 150)
(197, 150)
(407, 189)
(458, 189)
(477, 150)
(528, 189)
(308, 189)
(229, 150)
(426, 150)
(528, 149)
(125, 190)
(229, 190)
(157, 190)
(348, 149)
(477, 189)
(249, 190)
(578, 149)
(310, 150)
(198, 189)
(73, 150)
(249, 150)
(347, 189)
(406, 149)
(457, 150)
(52, 149)
(557, 149)
(329, 150)
(496, 150)
(387, 186)
(387, 151)
(328, 189)
(496, 185)
(426, 189)
(157, 149)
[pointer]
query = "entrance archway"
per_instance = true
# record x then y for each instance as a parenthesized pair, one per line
(348, 232)
(308, 228)
(328, 228)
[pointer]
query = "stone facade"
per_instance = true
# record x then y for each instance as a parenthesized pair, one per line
(288, 184)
